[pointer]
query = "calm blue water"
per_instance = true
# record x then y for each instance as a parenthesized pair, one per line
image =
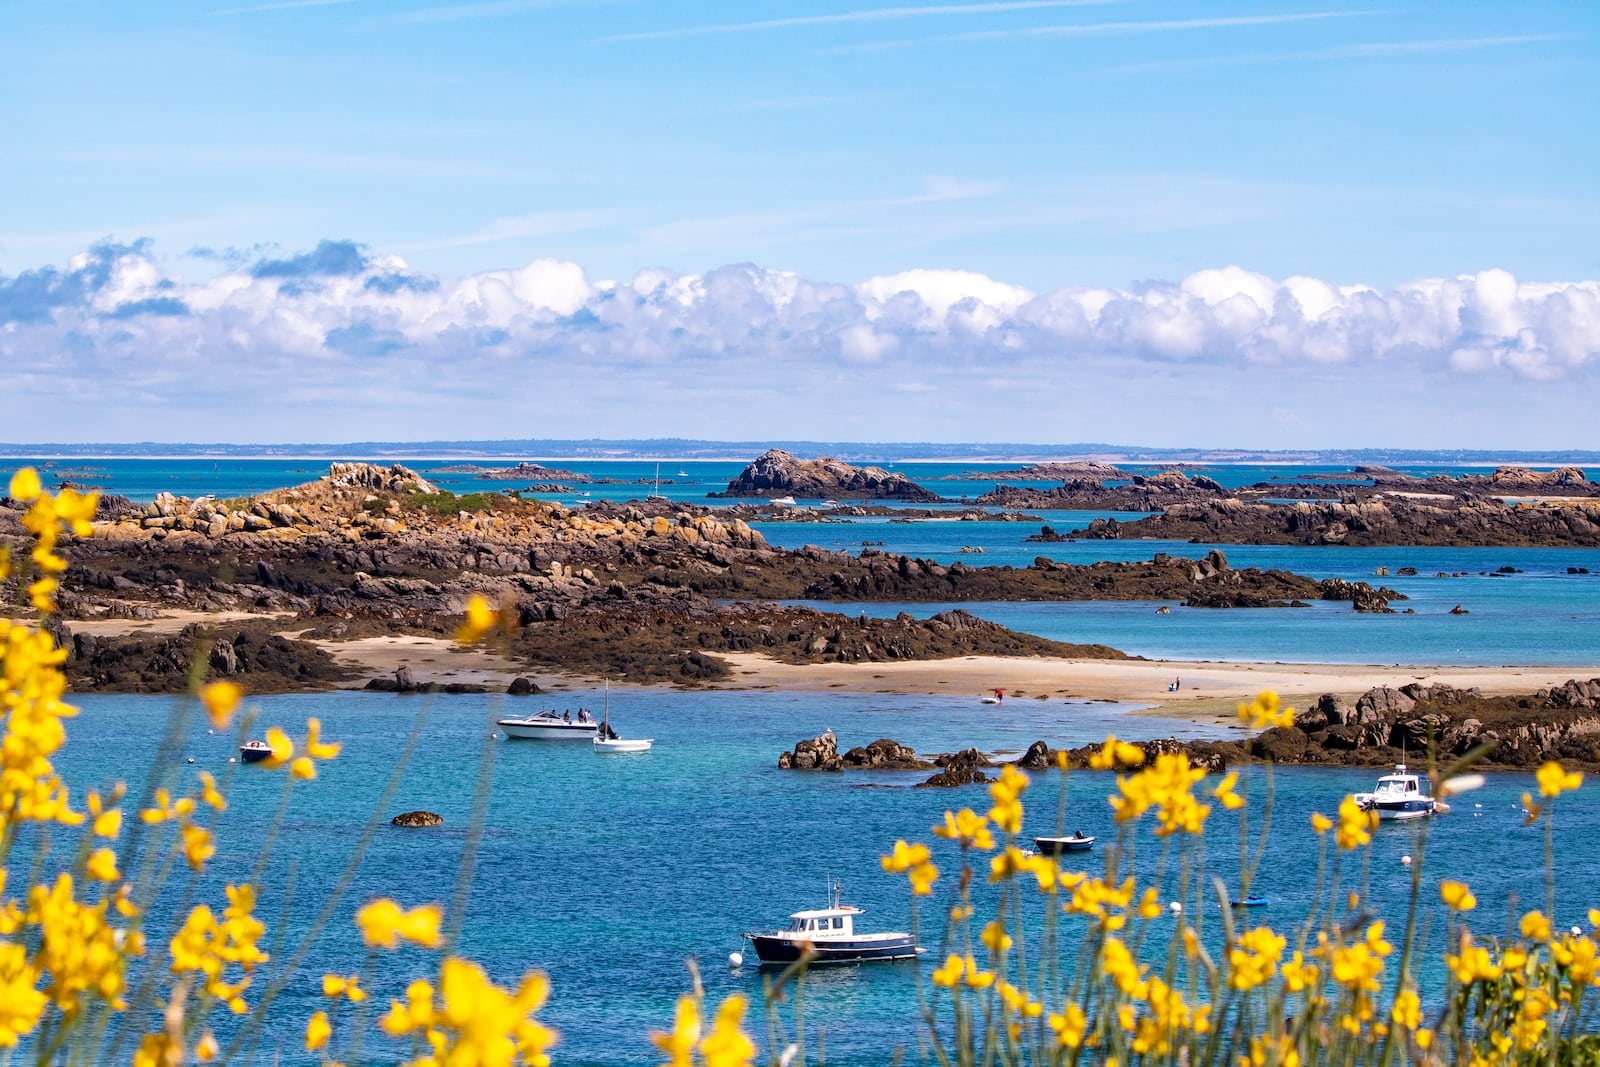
(609, 872)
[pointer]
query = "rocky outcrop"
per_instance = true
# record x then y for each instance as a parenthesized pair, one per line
(417, 818)
(1140, 492)
(778, 473)
(959, 768)
(1381, 519)
(820, 753)
(885, 754)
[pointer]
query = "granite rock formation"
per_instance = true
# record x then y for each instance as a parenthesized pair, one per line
(778, 473)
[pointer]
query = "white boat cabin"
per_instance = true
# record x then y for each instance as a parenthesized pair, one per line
(823, 922)
(1399, 785)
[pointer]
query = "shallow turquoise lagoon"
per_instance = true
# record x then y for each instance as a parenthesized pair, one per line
(609, 872)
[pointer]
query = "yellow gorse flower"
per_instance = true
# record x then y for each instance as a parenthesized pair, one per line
(1456, 896)
(967, 828)
(220, 699)
(1007, 796)
(1265, 712)
(1114, 755)
(1355, 824)
(726, 1045)
(1167, 786)
(912, 861)
(384, 924)
(1554, 779)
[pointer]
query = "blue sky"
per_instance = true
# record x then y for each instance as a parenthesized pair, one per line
(854, 220)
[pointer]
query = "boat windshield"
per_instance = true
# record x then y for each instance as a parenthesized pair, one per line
(1397, 785)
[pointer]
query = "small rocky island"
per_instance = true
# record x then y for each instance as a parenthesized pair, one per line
(776, 473)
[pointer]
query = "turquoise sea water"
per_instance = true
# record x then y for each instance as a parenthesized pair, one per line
(609, 872)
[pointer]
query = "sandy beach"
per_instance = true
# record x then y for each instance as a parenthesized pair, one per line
(1207, 690)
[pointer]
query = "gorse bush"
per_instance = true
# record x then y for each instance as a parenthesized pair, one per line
(1059, 967)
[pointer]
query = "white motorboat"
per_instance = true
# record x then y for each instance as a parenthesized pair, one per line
(548, 726)
(1400, 795)
(828, 935)
(783, 502)
(996, 697)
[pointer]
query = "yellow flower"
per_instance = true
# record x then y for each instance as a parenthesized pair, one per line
(1007, 793)
(1456, 896)
(25, 485)
(904, 857)
(198, 845)
(1535, 926)
(727, 1045)
(1554, 780)
(1166, 785)
(966, 827)
(1224, 792)
(995, 937)
(318, 1030)
(104, 821)
(220, 699)
(481, 618)
(1355, 824)
(209, 794)
(1407, 1009)
(950, 973)
(334, 985)
(1264, 712)
(1069, 1025)
(1114, 754)
(102, 865)
(167, 809)
(317, 748)
(282, 748)
(206, 1049)
(1253, 958)
(679, 1044)
(417, 1013)
(384, 924)
(1320, 823)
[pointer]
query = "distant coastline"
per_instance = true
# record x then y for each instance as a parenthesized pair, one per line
(677, 450)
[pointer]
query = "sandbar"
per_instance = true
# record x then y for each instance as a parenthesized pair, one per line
(1207, 690)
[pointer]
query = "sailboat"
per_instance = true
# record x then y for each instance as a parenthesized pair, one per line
(607, 740)
(655, 494)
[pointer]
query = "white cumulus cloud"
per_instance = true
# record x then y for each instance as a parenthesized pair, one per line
(357, 335)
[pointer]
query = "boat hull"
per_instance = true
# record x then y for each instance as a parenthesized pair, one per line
(771, 949)
(623, 744)
(253, 755)
(525, 730)
(1397, 810)
(1052, 846)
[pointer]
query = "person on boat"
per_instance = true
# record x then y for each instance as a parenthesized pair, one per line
(566, 716)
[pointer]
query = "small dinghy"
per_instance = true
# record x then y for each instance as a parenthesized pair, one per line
(1054, 846)
(1251, 901)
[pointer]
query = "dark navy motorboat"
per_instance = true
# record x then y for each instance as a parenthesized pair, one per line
(1054, 846)
(829, 935)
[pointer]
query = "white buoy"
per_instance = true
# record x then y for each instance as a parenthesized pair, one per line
(735, 960)
(1577, 931)
(1176, 907)
(191, 759)
(1405, 861)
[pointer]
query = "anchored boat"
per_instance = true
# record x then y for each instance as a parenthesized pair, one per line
(829, 935)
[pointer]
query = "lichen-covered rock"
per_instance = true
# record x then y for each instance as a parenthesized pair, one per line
(417, 818)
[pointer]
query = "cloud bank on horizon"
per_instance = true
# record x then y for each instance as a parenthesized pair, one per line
(335, 344)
